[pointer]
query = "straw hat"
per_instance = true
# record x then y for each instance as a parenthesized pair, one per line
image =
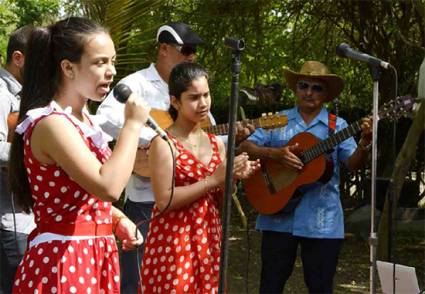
(316, 70)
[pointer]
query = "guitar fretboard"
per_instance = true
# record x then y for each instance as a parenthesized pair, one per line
(223, 129)
(327, 145)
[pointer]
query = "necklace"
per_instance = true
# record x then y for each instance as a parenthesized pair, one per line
(187, 140)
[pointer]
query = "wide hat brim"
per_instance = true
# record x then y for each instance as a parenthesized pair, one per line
(335, 84)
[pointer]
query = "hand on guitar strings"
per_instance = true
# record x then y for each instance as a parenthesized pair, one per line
(287, 156)
(243, 131)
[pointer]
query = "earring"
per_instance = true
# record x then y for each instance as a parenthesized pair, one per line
(71, 76)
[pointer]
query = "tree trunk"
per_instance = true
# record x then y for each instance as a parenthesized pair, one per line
(401, 168)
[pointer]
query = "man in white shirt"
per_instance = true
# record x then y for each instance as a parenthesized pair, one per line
(176, 43)
(15, 225)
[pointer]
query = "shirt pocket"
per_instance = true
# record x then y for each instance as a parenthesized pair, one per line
(326, 210)
(279, 138)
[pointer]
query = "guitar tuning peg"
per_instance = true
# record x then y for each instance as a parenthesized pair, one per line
(270, 113)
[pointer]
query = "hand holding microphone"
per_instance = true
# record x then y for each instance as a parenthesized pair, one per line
(124, 95)
(136, 110)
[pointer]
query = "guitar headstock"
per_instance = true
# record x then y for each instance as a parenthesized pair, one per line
(271, 121)
(396, 108)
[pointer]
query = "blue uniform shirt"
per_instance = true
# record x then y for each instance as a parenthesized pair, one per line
(319, 213)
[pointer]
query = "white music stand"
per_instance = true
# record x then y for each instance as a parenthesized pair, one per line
(406, 281)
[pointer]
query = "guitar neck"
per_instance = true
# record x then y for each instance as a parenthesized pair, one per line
(328, 144)
(223, 129)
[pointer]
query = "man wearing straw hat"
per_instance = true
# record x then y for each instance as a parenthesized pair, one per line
(315, 219)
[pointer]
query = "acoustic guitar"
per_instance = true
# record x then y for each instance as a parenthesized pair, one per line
(12, 120)
(271, 187)
(267, 121)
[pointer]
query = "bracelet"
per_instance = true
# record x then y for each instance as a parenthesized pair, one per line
(117, 222)
(205, 185)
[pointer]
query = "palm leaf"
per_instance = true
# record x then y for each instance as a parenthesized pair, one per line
(131, 31)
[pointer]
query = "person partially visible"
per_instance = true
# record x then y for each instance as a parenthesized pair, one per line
(15, 224)
(182, 253)
(176, 43)
(316, 223)
(62, 168)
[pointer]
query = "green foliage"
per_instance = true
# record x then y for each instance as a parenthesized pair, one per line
(277, 34)
(132, 27)
(34, 12)
(6, 25)
(17, 13)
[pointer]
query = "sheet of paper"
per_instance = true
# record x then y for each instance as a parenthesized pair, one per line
(406, 281)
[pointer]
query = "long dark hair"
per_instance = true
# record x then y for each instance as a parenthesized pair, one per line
(181, 78)
(47, 47)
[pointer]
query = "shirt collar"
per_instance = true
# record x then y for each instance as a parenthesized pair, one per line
(321, 117)
(12, 83)
(152, 74)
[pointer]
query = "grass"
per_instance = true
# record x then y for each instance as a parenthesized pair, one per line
(352, 272)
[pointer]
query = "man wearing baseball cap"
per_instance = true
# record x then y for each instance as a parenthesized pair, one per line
(176, 43)
(315, 221)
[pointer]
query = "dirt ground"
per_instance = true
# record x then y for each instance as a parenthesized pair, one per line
(353, 269)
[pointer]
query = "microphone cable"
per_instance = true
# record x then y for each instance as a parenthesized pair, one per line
(161, 212)
(12, 201)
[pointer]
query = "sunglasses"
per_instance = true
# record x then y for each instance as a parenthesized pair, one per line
(185, 50)
(303, 85)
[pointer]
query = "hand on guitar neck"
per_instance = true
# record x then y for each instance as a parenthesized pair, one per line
(243, 131)
(281, 174)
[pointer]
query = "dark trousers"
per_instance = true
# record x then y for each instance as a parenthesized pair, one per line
(131, 260)
(279, 252)
(11, 253)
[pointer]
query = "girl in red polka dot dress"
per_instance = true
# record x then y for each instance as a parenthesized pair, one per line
(61, 166)
(182, 252)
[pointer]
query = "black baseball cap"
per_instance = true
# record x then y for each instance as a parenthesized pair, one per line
(178, 33)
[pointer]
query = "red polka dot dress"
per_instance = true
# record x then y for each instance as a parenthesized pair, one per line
(72, 250)
(182, 253)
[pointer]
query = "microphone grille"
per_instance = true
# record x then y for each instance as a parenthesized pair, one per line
(122, 92)
(341, 49)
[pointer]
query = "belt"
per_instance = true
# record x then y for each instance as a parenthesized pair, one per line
(78, 229)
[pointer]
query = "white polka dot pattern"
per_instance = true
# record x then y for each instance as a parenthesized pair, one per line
(182, 252)
(67, 266)
(71, 276)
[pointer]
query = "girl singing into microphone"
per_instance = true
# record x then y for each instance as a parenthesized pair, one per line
(61, 166)
(183, 244)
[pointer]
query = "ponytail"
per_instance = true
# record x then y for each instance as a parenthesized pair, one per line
(46, 49)
(36, 92)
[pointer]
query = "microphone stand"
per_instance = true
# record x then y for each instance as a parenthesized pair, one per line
(237, 46)
(373, 239)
